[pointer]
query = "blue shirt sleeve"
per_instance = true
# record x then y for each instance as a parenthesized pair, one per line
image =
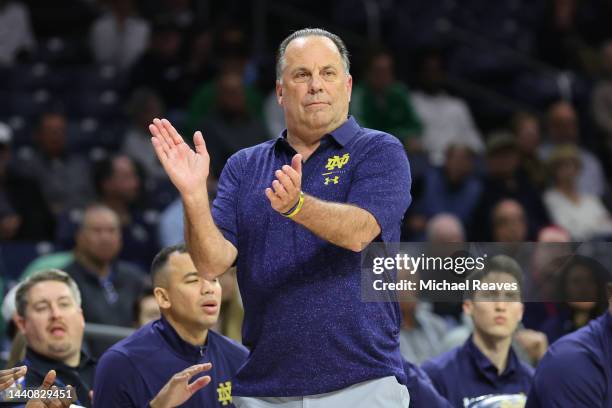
(381, 185)
(568, 377)
(118, 384)
(225, 206)
(433, 372)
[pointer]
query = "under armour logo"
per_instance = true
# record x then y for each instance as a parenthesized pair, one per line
(331, 180)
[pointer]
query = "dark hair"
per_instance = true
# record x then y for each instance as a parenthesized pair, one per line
(144, 293)
(500, 264)
(310, 32)
(104, 168)
(161, 259)
(599, 274)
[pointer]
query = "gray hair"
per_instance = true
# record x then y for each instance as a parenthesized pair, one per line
(21, 298)
(310, 32)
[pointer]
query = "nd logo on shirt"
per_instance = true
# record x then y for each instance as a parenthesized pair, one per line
(335, 162)
(224, 390)
(496, 401)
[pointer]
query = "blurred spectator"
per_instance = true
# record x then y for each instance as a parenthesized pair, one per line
(232, 58)
(421, 330)
(50, 316)
(381, 102)
(162, 67)
(581, 286)
(446, 119)
(509, 222)
(453, 188)
(575, 371)
(143, 107)
(63, 177)
(560, 41)
(230, 126)
(15, 31)
(274, 115)
(119, 186)
(601, 102)
(109, 287)
(145, 308)
(486, 368)
(583, 215)
(526, 129)
(230, 318)
(24, 214)
(563, 128)
(171, 231)
(119, 37)
(445, 228)
(504, 179)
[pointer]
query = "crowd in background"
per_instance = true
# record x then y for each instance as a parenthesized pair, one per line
(77, 169)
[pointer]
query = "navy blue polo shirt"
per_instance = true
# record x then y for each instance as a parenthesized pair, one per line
(421, 390)
(576, 371)
(467, 378)
(133, 371)
(305, 324)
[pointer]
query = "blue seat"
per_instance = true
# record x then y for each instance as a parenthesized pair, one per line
(15, 256)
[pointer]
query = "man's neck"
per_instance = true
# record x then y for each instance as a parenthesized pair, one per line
(73, 361)
(196, 336)
(101, 269)
(495, 349)
(306, 140)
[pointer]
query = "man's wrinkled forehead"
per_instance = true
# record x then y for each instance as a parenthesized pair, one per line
(48, 291)
(305, 49)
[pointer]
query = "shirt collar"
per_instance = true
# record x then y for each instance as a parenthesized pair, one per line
(342, 135)
(485, 366)
(181, 347)
(43, 364)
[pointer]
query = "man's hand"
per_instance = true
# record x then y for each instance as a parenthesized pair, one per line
(10, 375)
(178, 390)
(534, 342)
(285, 191)
(52, 402)
(188, 169)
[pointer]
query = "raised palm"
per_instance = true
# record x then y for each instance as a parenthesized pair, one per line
(187, 168)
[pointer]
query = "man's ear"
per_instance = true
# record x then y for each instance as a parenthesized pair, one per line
(279, 93)
(468, 307)
(609, 292)
(349, 85)
(162, 298)
(20, 323)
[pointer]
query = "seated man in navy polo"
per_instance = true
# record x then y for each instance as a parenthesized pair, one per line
(133, 371)
(485, 371)
(576, 371)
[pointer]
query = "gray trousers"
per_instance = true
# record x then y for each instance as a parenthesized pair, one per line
(380, 393)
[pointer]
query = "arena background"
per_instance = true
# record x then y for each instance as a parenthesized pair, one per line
(515, 86)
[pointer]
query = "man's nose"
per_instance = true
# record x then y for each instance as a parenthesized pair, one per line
(316, 83)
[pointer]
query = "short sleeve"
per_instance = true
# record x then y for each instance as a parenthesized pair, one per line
(225, 206)
(568, 377)
(381, 185)
(118, 384)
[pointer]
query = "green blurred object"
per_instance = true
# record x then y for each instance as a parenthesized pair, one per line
(56, 260)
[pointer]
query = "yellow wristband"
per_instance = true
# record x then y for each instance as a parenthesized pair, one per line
(297, 208)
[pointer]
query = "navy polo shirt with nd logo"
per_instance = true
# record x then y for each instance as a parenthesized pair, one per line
(305, 324)
(468, 379)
